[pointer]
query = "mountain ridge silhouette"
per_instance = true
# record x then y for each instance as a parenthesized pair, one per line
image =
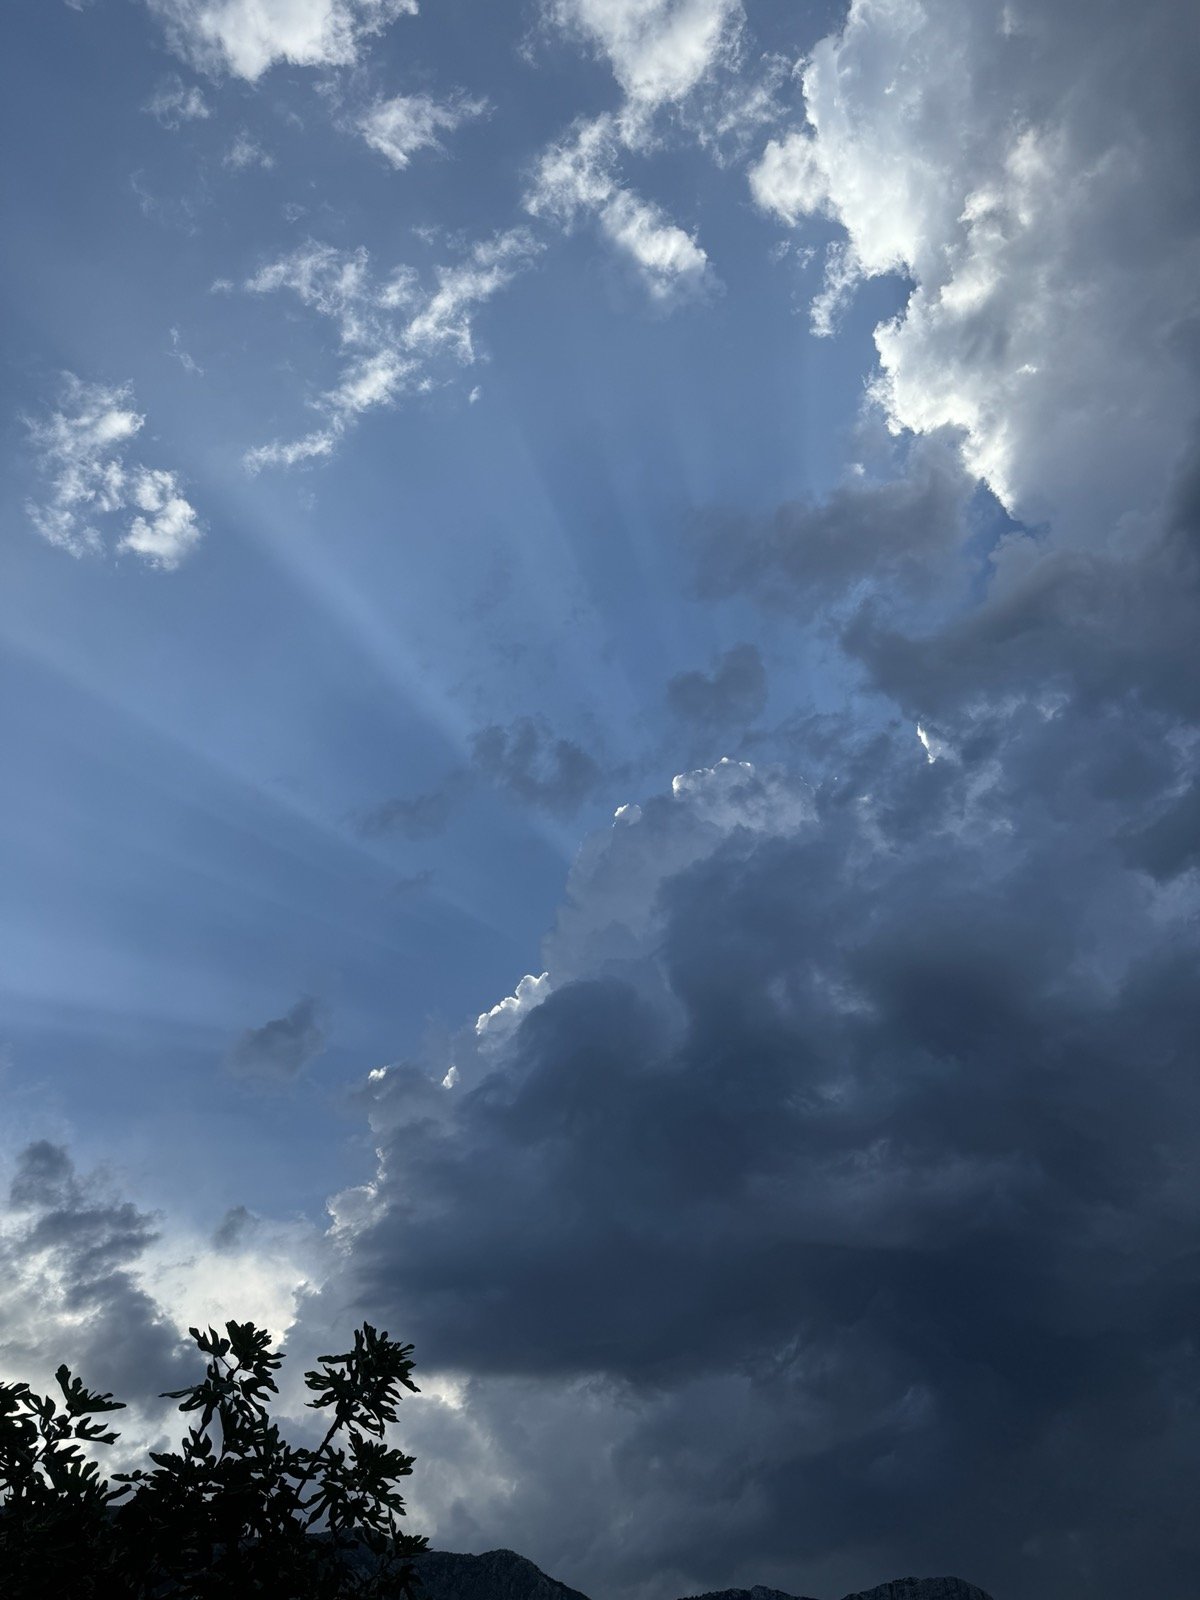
(505, 1575)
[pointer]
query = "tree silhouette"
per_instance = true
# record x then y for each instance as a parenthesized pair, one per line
(236, 1511)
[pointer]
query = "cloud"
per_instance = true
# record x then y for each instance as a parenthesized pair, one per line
(244, 152)
(70, 1251)
(399, 127)
(659, 50)
(246, 37)
(498, 1023)
(901, 531)
(849, 1126)
(418, 816)
(1052, 283)
(189, 364)
(577, 176)
(535, 765)
(82, 452)
(661, 53)
(393, 331)
(278, 1052)
(734, 692)
(173, 103)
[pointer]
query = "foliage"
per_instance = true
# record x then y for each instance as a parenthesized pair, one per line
(236, 1511)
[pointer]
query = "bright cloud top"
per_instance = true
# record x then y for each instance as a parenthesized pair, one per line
(246, 37)
(659, 50)
(1048, 275)
(82, 453)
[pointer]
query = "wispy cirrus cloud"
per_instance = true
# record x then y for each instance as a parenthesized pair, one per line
(401, 126)
(660, 52)
(173, 103)
(82, 454)
(578, 177)
(393, 331)
(246, 152)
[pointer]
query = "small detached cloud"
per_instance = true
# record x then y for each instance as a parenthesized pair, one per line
(577, 177)
(399, 127)
(244, 38)
(735, 692)
(276, 1053)
(393, 331)
(418, 816)
(173, 103)
(535, 765)
(245, 152)
(82, 454)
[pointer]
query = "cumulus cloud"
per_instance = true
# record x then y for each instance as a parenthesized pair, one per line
(399, 127)
(246, 37)
(847, 1122)
(82, 454)
(963, 147)
(278, 1051)
(393, 330)
(90, 1279)
(536, 765)
(659, 50)
(735, 691)
(836, 1129)
(70, 1250)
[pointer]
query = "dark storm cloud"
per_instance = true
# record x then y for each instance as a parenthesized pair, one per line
(893, 1130)
(279, 1051)
(68, 1257)
(810, 554)
(735, 691)
(535, 765)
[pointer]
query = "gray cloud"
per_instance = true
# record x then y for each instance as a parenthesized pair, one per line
(69, 1253)
(418, 816)
(852, 1133)
(735, 691)
(278, 1052)
(535, 765)
(811, 554)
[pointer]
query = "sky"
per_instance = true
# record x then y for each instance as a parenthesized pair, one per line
(601, 761)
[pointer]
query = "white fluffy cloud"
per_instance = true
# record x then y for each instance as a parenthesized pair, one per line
(998, 154)
(246, 37)
(82, 453)
(399, 127)
(392, 329)
(578, 176)
(495, 1025)
(659, 50)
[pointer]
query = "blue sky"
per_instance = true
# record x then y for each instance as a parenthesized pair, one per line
(429, 431)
